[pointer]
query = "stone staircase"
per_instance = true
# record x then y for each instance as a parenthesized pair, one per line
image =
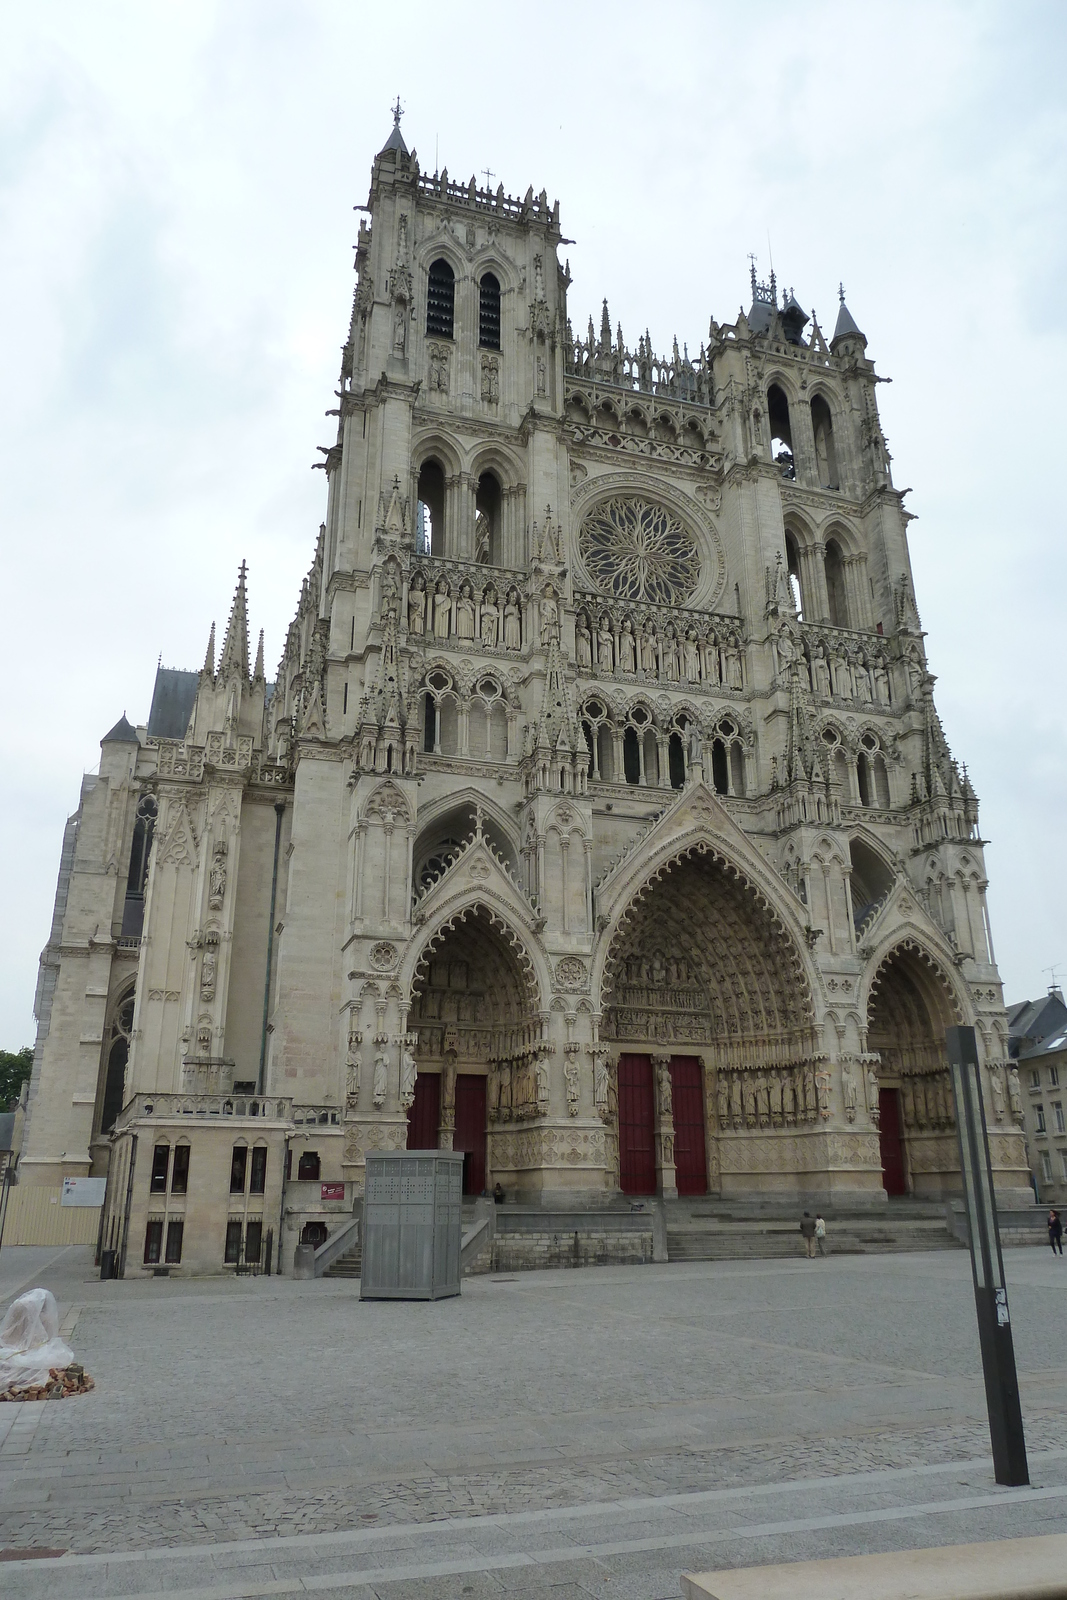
(708, 1230)
(347, 1266)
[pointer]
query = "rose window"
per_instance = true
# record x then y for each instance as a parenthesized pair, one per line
(638, 551)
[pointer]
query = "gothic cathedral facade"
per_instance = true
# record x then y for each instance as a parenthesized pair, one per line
(598, 824)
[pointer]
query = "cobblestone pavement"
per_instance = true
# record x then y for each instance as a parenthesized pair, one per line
(230, 1417)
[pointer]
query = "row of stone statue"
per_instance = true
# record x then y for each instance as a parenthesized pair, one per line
(465, 614)
(405, 1072)
(772, 1099)
(832, 670)
(517, 1089)
(711, 655)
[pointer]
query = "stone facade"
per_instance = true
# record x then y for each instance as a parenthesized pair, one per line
(599, 821)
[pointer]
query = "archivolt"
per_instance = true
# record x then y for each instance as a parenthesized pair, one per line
(700, 913)
(493, 940)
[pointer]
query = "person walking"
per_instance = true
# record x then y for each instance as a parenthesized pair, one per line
(1055, 1232)
(820, 1233)
(807, 1233)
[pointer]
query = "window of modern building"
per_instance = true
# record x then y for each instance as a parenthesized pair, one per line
(1054, 1077)
(440, 300)
(175, 1230)
(1057, 1115)
(308, 1166)
(1039, 1113)
(179, 1178)
(258, 1181)
(160, 1165)
(153, 1243)
(1063, 1164)
(1046, 1166)
(233, 1242)
(489, 312)
(1035, 1078)
(238, 1167)
(253, 1242)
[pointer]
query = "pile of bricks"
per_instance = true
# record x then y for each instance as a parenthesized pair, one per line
(62, 1381)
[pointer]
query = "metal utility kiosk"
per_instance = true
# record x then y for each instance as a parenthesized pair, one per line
(412, 1225)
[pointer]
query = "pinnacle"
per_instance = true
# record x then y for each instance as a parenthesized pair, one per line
(209, 658)
(235, 646)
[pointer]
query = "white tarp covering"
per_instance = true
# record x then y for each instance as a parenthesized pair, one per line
(29, 1340)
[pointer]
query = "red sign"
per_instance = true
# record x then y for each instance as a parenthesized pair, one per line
(332, 1191)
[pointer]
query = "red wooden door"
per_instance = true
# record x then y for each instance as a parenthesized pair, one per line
(637, 1154)
(469, 1137)
(424, 1115)
(892, 1145)
(687, 1101)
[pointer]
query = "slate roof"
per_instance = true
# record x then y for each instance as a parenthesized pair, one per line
(845, 323)
(121, 733)
(172, 703)
(1032, 1022)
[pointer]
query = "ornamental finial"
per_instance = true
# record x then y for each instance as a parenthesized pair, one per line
(398, 112)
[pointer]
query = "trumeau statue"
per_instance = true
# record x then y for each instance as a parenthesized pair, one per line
(411, 761)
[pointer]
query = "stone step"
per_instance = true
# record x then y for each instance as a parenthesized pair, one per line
(350, 1265)
(731, 1241)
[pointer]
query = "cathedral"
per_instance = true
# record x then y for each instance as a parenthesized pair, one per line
(598, 823)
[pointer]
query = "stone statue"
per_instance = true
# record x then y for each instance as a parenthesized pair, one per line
(549, 612)
(570, 1075)
(732, 660)
(627, 653)
(218, 876)
(648, 648)
(381, 1079)
(1014, 1096)
(400, 330)
(600, 1082)
(465, 613)
(666, 1095)
(408, 1072)
(442, 610)
(512, 621)
(848, 1091)
(583, 652)
(354, 1064)
(881, 682)
(490, 618)
(605, 646)
(873, 1102)
(997, 1088)
(722, 1100)
(417, 605)
(670, 654)
(207, 976)
(542, 1081)
(820, 673)
(691, 657)
(481, 539)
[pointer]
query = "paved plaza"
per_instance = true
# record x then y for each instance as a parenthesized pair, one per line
(575, 1433)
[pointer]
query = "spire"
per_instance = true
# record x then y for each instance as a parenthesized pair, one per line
(235, 646)
(395, 140)
(605, 330)
(121, 733)
(209, 658)
(259, 674)
(845, 326)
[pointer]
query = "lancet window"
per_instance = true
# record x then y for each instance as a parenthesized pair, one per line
(440, 300)
(825, 455)
(836, 594)
(634, 747)
(489, 312)
(430, 513)
(469, 724)
(143, 832)
(781, 431)
(487, 519)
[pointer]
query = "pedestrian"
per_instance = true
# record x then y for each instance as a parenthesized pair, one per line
(807, 1233)
(1055, 1232)
(820, 1233)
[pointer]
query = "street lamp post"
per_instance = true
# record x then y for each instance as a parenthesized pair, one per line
(987, 1264)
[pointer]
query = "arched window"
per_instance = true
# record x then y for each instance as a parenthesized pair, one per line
(781, 432)
(835, 585)
(488, 501)
(793, 563)
(631, 756)
(429, 724)
(719, 769)
(440, 300)
(117, 1056)
(676, 759)
(143, 831)
(489, 313)
(825, 455)
(430, 519)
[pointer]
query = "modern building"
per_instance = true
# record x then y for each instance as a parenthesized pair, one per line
(1037, 1044)
(598, 823)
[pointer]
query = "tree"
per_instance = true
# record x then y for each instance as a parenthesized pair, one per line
(15, 1068)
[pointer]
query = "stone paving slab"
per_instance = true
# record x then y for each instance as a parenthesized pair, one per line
(268, 1411)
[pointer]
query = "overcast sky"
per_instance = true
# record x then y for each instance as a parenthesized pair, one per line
(176, 224)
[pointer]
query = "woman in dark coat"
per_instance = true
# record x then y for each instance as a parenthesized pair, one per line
(1055, 1232)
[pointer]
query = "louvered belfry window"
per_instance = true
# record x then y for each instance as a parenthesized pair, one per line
(489, 313)
(440, 300)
